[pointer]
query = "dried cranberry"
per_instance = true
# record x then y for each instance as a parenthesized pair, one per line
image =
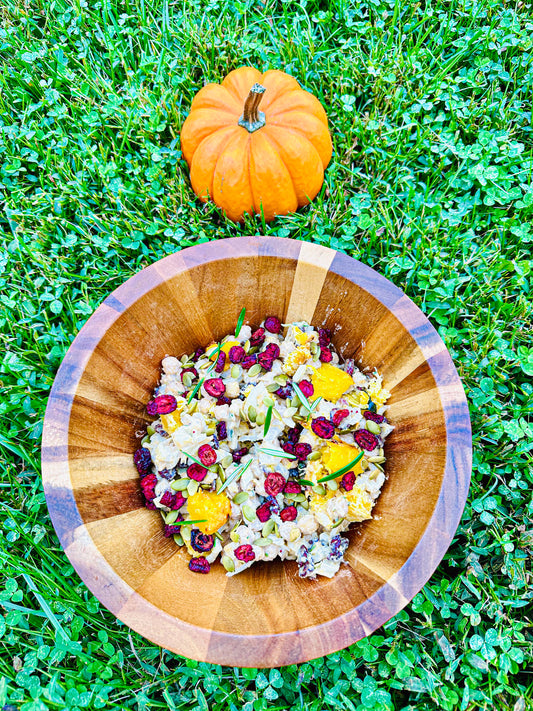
(223, 400)
(199, 565)
(324, 337)
(288, 447)
(273, 324)
(265, 361)
(306, 387)
(374, 417)
(236, 354)
(366, 440)
(239, 454)
(201, 542)
(150, 505)
(293, 434)
(257, 337)
(302, 450)
(348, 481)
(325, 355)
(167, 473)
(322, 427)
(172, 528)
(264, 512)
(196, 471)
(166, 499)
(244, 553)
(193, 371)
(198, 353)
(221, 362)
(215, 387)
(249, 361)
(222, 431)
(207, 455)
(284, 392)
(162, 405)
(289, 513)
(178, 501)
(273, 350)
(274, 483)
(148, 485)
(292, 487)
(338, 416)
(143, 460)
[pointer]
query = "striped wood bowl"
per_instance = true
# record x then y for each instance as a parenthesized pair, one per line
(267, 616)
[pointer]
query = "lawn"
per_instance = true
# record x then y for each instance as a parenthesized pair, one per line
(430, 183)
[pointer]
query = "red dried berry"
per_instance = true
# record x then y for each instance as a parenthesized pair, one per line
(265, 361)
(143, 461)
(162, 405)
(374, 417)
(366, 440)
(264, 512)
(207, 455)
(325, 355)
(221, 362)
(201, 542)
(215, 387)
(302, 450)
(178, 501)
(167, 499)
(293, 433)
(257, 337)
(193, 372)
(245, 553)
(322, 427)
(199, 565)
(306, 387)
(338, 416)
(274, 483)
(288, 447)
(292, 487)
(236, 354)
(348, 481)
(198, 353)
(273, 324)
(148, 485)
(324, 337)
(223, 400)
(249, 361)
(284, 392)
(289, 513)
(222, 430)
(172, 528)
(273, 350)
(150, 505)
(196, 471)
(239, 454)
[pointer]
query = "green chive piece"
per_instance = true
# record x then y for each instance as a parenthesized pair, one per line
(198, 386)
(343, 470)
(268, 420)
(240, 321)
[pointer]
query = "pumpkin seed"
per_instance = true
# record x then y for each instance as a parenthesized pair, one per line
(372, 427)
(248, 512)
(305, 504)
(150, 430)
(226, 460)
(272, 387)
(262, 542)
(192, 487)
(261, 418)
(315, 350)
(145, 439)
(178, 539)
(281, 379)
(184, 358)
(376, 460)
(171, 516)
(234, 536)
(343, 432)
(337, 523)
(291, 411)
(300, 497)
(218, 535)
(289, 497)
(254, 370)
(304, 412)
(295, 534)
(374, 474)
(254, 349)
(295, 402)
(179, 484)
(228, 563)
(319, 489)
(299, 418)
(268, 401)
(221, 473)
(314, 456)
(276, 530)
(186, 533)
(246, 346)
(240, 498)
(268, 527)
(252, 412)
(236, 371)
(187, 380)
(211, 431)
(192, 406)
(332, 485)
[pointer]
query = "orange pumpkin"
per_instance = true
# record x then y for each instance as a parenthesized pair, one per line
(251, 161)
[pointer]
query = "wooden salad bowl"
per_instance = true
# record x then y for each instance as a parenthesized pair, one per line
(266, 616)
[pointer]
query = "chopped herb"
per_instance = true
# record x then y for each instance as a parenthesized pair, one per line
(306, 482)
(198, 386)
(190, 523)
(301, 397)
(240, 321)
(343, 470)
(236, 474)
(268, 420)
(276, 453)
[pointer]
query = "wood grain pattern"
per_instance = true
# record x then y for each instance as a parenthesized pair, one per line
(267, 616)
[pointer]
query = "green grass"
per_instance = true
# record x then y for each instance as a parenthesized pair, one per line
(430, 183)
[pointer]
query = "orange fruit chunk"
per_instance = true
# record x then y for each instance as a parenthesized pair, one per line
(330, 382)
(213, 507)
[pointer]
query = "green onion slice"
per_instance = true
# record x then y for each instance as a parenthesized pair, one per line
(343, 470)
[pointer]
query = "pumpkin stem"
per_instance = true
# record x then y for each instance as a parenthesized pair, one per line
(252, 118)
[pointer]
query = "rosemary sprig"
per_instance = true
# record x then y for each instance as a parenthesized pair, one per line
(193, 393)
(342, 470)
(276, 453)
(268, 420)
(240, 321)
(301, 397)
(190, 523)
(191, 456)
(236, 474)
(306, 482)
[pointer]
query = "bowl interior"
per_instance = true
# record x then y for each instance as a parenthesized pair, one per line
(188, 304)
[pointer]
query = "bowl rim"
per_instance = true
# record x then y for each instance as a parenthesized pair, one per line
(284, 648)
